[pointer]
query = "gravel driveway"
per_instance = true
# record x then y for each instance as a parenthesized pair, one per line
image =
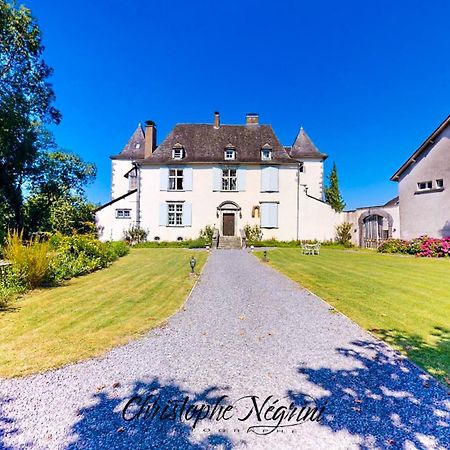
(245, 331)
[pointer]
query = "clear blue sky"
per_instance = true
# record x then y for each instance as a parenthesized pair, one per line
(369, 81)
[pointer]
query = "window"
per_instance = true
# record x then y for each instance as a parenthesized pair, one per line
(269, 215)
(177, 151)
(440, 184)
(301, 167)
(230, 154)
(175, 179)
(123, 213)
(175, 214)
(424, 185)
(266, 154)
(138, 145)
(229, 180)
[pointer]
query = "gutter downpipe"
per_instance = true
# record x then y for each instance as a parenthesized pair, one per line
(138, 202)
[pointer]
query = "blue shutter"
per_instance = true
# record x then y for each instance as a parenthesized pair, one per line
(274, 179)
(187, 179)
(187, 214)
(269, 215)
(265, 216)
(163, 214)
(240, 173)
(265, 179)
(163, 178)
(217, 179)
(273, 215)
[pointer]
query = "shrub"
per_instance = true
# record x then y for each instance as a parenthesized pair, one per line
(30, 260)
(423, 246)
(135, 235)
(252, 234)
(189, 243)
(344, 234)
(394, 246)
(81, 254)
(207, 234)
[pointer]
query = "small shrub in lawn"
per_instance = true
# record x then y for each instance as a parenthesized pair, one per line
(207, 234)
(135, 235)
(344, 234)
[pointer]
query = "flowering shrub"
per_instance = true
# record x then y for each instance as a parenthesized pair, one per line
(423, 246)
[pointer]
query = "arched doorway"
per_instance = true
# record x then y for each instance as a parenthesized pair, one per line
(375, 227)
(228, 213)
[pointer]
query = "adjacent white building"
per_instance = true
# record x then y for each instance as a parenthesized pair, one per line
(225, 176)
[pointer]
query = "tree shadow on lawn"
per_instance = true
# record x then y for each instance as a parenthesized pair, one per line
(433, 357)
(382, 398)
(103, 425)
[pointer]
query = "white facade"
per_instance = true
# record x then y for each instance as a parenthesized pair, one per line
(269, 196)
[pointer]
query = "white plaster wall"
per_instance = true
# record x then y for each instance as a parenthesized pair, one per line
(119, 184)
(313, 177)
(427, 213)
(317, 219)
(109, 227)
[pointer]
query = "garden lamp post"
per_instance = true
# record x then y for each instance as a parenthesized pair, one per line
(192, 263)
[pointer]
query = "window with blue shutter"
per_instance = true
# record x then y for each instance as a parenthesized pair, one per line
(163, 214)
(269, 179)
(187, 173)
(217, 179)
(241, 179)
(269, 215)
(187, 214)
(163, 178)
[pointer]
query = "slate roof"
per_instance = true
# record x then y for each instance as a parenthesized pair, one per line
(304, 147)
(424, 146)
(203, 143)
(134, 148)
(393, 202)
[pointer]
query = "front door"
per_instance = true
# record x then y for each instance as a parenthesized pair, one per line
(228, 224)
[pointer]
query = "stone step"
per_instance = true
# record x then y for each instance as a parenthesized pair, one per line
(229, 242)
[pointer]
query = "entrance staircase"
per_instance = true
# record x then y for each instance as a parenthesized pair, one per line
(229, 242)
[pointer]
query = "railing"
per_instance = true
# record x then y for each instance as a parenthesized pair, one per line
(373, 243)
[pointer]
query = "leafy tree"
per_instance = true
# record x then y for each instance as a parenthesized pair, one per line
(344, 234)
(332, 193)
(26, 104)
(56, 201)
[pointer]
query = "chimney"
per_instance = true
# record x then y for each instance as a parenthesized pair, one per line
(150, 138)
(252, 119)
(216, 120)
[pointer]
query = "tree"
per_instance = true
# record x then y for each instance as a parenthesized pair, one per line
(26, 104)
(57, 194)
(332, 193)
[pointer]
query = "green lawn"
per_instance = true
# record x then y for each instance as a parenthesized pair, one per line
(90, 314)
(402, 299)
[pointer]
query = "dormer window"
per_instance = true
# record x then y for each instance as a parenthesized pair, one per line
(266, 153)
(177, 151)
(230, 153)
(138, 145)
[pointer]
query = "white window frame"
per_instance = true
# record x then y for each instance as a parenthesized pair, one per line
(440, 183)
(424, 186)
(229, 154)
(123, 213)
(176, 177)
(266, 154)
(229, 179)
(174, 214)
(177, 153)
